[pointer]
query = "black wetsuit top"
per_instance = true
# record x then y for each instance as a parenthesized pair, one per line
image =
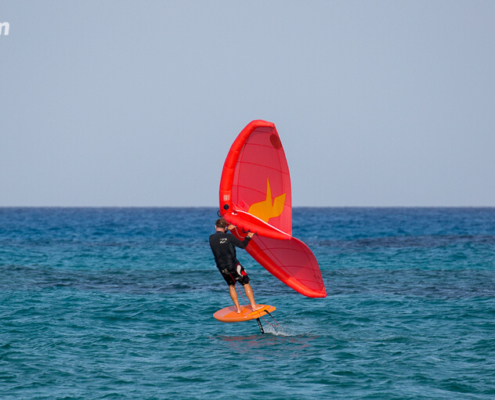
(223, 248)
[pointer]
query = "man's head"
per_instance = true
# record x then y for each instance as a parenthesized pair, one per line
(221, 225)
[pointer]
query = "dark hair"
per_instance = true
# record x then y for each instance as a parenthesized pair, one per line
(221, 223)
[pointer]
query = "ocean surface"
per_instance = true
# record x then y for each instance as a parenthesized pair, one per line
(117, 303)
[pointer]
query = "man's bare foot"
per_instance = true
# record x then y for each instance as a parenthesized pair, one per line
(239, 310)
(256, 307)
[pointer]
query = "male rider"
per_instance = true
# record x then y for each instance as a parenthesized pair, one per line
(223, 247)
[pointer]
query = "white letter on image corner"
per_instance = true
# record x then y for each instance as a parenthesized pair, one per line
(5, 25)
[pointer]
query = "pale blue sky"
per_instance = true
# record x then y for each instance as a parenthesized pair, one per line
(136, 103)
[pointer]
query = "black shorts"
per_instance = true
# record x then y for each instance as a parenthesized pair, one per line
(239, 274)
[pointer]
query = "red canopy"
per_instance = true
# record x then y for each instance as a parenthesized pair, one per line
(255, 195)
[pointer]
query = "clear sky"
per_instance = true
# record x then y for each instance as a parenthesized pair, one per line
(136, 103)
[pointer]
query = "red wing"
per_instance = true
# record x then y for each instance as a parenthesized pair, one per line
(255, 195)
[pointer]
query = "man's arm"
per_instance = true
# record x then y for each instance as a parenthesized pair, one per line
(241, 244)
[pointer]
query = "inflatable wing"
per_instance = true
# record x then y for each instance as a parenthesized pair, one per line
(255, 195)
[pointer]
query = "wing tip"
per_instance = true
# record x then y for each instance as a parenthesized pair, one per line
(318, 295)
(312, 293)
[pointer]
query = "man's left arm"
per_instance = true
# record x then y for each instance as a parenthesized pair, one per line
(241, 244)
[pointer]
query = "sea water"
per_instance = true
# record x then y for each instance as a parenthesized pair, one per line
(117, 304)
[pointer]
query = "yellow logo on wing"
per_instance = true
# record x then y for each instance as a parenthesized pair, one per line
(267, 208)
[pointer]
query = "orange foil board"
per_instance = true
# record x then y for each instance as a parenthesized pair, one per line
(229, 314)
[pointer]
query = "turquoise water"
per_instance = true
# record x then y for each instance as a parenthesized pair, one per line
(118, 304)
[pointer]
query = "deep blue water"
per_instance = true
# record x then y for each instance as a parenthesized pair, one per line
(118, 303)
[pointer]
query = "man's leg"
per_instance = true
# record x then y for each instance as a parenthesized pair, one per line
(235, 299)
(250, 296)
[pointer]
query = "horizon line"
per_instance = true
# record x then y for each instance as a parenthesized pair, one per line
(4, 207)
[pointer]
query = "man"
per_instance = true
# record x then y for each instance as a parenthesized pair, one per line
(223, 248)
